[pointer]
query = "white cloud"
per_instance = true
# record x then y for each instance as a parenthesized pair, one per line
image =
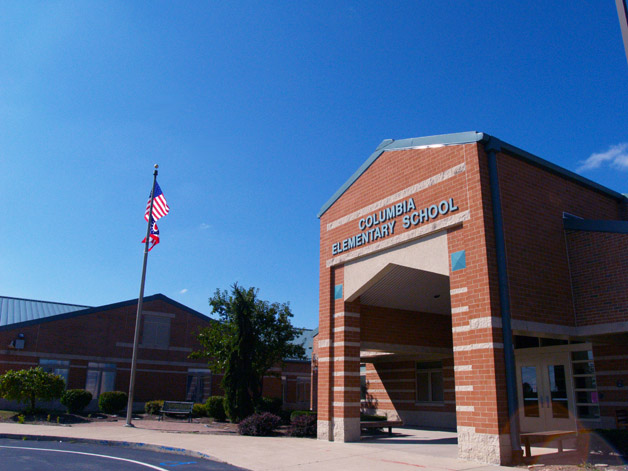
(616, 157)
(205, 226)
(183, 291)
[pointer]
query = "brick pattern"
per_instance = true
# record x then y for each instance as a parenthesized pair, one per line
(481, 395)
(611, 368)
(533, 202)
(599, 275)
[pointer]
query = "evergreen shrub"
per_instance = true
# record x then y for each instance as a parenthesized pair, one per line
(112, 402)
(75, 400)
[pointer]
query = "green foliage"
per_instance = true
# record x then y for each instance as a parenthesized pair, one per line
(29, 385)
(215, 407)
(112, 402)
(371, 418)
(261, 425)
(76, 400)
(153, 407)
(199, 410)
(303, 426)
(21, 419)
(297, 413)
(252, 336)
(269, 404)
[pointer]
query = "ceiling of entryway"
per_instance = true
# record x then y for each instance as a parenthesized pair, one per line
(400, 287)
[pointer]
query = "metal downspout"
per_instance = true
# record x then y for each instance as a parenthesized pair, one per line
(491, 147)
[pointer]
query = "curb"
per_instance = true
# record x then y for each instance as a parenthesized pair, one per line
(94, 441)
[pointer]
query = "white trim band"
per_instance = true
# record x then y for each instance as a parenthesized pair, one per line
(478, 346)
(405, 193)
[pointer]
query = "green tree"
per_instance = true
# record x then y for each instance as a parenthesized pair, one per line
(29, 385)
(251, 337)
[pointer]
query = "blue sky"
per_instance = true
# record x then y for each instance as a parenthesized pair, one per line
(256, 113)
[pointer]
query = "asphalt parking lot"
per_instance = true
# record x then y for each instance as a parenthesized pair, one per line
(26, 455)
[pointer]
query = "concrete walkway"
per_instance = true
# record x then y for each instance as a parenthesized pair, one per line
(407, 449)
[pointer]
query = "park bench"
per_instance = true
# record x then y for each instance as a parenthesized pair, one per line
(546, 437)
(177, 407)
(389, 424)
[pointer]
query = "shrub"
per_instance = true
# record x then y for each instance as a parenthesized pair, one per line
(303, 426)
(153, 407)
(199, 410)
(261, 425)
(76, 400)
(269, 404)
(112, 402)
(368, 417)
(296, 413)
(215, 407)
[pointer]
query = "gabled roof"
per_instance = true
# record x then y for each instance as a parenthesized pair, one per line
(35, 312)
(466, 138)
(18, 310)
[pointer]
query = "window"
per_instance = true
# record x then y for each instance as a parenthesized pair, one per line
(101, 377)
(429, 381)
(156, 332)
(303, 389)
(363, 382)
(58, 367)
(585, 387)
(199, 385)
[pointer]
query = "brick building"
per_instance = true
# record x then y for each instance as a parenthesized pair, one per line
(91, 348)
(467, 283)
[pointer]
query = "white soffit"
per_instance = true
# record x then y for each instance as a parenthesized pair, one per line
(426, 254)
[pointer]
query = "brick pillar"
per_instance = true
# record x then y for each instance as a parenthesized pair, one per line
(346, 374)
(339, 366)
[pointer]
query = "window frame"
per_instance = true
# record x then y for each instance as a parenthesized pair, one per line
(430, 383)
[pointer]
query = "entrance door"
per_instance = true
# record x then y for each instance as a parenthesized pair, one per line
(545, 392)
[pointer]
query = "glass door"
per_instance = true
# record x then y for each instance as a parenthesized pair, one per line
(545, 392)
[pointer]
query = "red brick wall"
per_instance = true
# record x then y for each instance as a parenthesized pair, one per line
(533, 202)
(397, 170)
(396, 326)
(612, 379)
(599, 274)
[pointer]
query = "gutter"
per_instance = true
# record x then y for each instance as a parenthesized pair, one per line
(492, 146)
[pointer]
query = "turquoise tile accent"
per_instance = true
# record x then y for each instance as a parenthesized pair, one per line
(458, 260)
(338, 292)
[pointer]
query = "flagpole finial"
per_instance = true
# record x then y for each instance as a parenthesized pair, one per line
(156, 166)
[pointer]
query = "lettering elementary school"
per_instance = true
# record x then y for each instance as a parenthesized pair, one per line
(466, 283)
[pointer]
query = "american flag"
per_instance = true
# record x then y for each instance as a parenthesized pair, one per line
(154, 235)
(160, 207)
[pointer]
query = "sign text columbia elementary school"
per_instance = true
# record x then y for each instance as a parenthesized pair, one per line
(381, 223)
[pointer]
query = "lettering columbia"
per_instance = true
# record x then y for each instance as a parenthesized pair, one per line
(381, 223)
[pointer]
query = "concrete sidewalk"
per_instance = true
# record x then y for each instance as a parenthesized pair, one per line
(408, 449)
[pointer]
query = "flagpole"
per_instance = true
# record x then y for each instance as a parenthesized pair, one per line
(140, 300)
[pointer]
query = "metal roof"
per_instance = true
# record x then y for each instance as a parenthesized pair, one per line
(307, 340)
(17, 310)
(388, 145)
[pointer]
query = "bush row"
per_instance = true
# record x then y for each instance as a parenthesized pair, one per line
(302, 424)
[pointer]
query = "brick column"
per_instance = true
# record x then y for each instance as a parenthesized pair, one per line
(339, 367)
(346, 374)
